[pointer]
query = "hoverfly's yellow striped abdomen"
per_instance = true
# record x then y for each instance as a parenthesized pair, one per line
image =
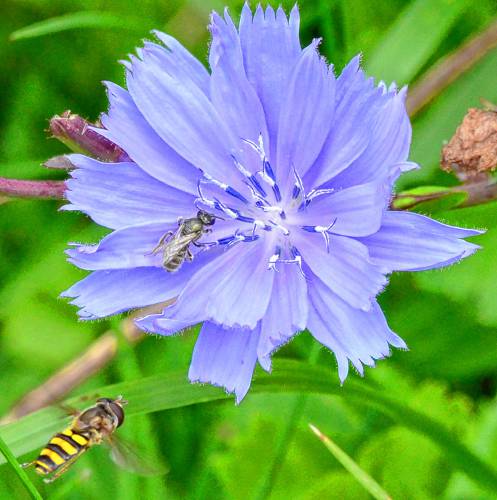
(75, 436)
(60, 449)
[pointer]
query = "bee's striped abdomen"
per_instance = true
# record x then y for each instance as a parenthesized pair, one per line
(174, 263)
(64, 446)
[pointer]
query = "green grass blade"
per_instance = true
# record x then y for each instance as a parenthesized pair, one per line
(172, 390)
(76, 20)
(11, 459)
(413, 39)
(362, 477)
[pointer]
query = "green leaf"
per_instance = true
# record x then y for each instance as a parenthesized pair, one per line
(11, 459)
(405, 463)
(362, 477)
(458, 334)
(413, 38)
(77, 20)
(484, 437)
(168, 391)
(31, 298)
(244, 459)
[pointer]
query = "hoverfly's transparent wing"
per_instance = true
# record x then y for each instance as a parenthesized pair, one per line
(129, 457)
(73, 411)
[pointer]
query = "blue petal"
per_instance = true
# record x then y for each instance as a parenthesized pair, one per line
(357, 211)
(127, 127)
(306, 115)
(225, 357)
(354, 335)
(182, 115)
(117, 195)
(411, 242)
(177, 58)
(234, 98)
(356, 102)
(389, 142)
(271, 47)
(159, 324)
(125, 248)
(233, 289)
(104, 293)
(346, 269)
(286, 314)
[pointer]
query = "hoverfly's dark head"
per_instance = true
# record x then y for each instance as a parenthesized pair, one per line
(115, 407)
(206, 218)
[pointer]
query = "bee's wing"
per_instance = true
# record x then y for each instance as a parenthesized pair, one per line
(130, 458)
(178, 244)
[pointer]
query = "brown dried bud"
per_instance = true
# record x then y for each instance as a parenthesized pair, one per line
(76, 133)
(472, 150)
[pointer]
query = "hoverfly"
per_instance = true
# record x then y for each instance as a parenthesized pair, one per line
(95, 425)
(176, 246)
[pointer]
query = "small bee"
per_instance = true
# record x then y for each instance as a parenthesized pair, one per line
(176, 246)
(93, 426)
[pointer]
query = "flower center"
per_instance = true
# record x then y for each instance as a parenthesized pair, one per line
(263, 210)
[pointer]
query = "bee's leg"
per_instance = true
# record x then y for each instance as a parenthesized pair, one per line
(28, 464)
(189, 255)
(161, 242)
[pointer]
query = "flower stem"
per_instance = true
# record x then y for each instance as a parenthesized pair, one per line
(450, 68)
(15, 188)
(11, 459)
(476, 193)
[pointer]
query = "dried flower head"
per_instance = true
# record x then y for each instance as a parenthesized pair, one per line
(473, 148)
(296, 165)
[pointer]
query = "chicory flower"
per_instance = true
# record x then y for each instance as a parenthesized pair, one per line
(298, 166)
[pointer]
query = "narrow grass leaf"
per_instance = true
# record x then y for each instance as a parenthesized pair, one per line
(413, 39)
(11, 459)
(362, 477)
(77, 20)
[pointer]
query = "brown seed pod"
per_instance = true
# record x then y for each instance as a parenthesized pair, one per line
(473, 148)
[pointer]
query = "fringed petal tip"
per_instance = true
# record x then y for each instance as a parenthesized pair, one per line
(225, 358)
(239, 394)
(146, 324)
(269, 348)
(343, 362)
(158, 324)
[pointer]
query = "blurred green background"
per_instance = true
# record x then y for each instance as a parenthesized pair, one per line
(262, 448)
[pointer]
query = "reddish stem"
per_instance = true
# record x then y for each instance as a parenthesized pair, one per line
(16, 188)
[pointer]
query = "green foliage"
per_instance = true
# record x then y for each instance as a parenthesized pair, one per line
(423, 423)
(413, 38)
(471, 282)
(162, 392)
